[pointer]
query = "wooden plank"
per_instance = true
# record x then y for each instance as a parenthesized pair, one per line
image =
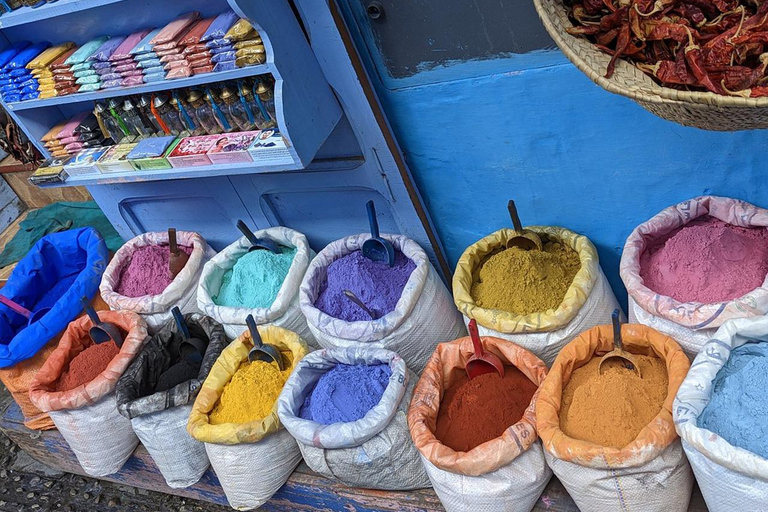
(10, 165)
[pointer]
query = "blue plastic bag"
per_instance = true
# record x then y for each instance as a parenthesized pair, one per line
(221, 57)
(26, 55)
(10, 52)
(59, 270)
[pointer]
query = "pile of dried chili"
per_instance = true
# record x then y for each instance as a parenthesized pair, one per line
(699, 45)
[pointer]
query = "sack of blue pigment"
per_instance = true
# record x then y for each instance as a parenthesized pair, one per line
(721, 414)
(138, 278)
(410, 306)
(347, 409)
(237, 283)
(157, 392)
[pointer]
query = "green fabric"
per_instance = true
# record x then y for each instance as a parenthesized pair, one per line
(54, 218)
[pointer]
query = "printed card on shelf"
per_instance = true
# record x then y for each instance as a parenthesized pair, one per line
(84, 162)
(51, 171)
(116, 159)
(270, 147)
(152, 154)
(191, 151)
(232, 148)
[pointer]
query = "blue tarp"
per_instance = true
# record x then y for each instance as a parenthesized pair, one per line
(59, 270)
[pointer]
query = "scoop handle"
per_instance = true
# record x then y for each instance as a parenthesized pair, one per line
(18, 308)
(615, 319)
(514, 216)
(180, 323)
(372, 219)
(172, 241)
(95, 320)
(247, 232)
(255, 336)
(475, 335)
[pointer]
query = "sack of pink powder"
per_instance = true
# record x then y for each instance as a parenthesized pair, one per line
(138, 278)
(695, 265)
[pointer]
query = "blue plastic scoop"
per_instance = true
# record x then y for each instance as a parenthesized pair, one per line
(101, 332)
(32, 317)
(377, 248)
(257, 243)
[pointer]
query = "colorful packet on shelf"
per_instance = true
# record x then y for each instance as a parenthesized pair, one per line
(221, 57)
(10, 52)
(81, 66)
(219, 27)
(176, 65)
(127, 67)
(249, 43)
(110, 84)
(173, 51)
(69, 127)
(201, 70)
(124, 50)
(222, 49)
(174, 28)
(145, 46)
(111, 76)
(218, 43)
(101, 65)
(164, 47)
(85, 51)
(106, 50)
(152, 147)
(105, 71)
(242, 29)
(154, 63)
(59, 63)
(154, 77)
(227, 65)
(196, 32)
(172, 58)
(90, 87)
(130, 81)
(146, 56)
(84, 72)
(92, 79)
(183, 72)
(47, 57)
(195, 48)
(26, 55)
(133, 72)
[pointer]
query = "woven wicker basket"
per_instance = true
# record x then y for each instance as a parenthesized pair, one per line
(703, 110)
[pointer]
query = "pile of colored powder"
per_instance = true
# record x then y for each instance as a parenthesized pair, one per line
(611, 409)
(375, 283)
(147, 272)
(738, 407)
(87, 365)
(346, 393)
(706, 261)
(182, 371)
(251, 393)
(525, 282)
(255, 279)
(479, 410)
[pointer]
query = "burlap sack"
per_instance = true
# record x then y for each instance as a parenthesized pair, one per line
(692, 324)
(87, 415)
(649, 474)
(507, 474)
(589, 300)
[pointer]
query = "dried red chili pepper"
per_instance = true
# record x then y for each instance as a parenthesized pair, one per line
(694, 59)
(622, 42)
(659, 31)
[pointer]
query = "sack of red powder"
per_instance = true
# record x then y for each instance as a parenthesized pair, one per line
(159, 418)
(731, 474)
(137, 279)
(284, 310)
(650, 473)
(333, 450)
(86, 414)
(587, 301)
(726, 266)
(414, 321)
(504, 473)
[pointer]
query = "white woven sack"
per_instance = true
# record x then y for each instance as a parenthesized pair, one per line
(284, 311)
(423, 317)
(100, 437)
(690, 340)
(251, 473)
(730, 478)
(663, 484)
(156, 309)
(181, 459)
(597, 310)
(374, 452)
(513, 488)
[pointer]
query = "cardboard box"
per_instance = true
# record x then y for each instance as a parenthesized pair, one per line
(84, 163)
(232, 148)
(191, 151)
(116, 159)
(270, 148)
(152, 154)
(51, 171)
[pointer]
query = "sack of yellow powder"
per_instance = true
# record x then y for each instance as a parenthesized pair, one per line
(540, 300)
(649, 471)
(693, 322)
(86, 415)
(284, 311)
(506, 473)
(333, 449)
(235, 415)
(123, 274)
(726, 445)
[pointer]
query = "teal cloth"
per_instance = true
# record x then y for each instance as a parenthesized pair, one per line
(58, 217)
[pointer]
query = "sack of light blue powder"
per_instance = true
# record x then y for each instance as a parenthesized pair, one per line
(375, 451)
(722, 391)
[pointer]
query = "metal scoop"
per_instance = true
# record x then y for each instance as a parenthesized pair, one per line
(481, 362)
(178, 257)
(262, 351)
(257, 243)
(31, 317)
(618, 353)
(354, 298)
(191, 349)
(101, 332)
(523, 238)
(377, 248)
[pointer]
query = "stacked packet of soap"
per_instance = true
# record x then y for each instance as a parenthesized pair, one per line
(68, 76)
(122, 69)
(222, 51)
(166, 45)
(147, 60)
(247, 43)
(42, 68)
(19, 84)
(100, 58)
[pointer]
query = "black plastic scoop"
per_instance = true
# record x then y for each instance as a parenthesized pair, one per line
(191, 349)
(31, 316)
(377, 248)
(359, 303)
(101, 332)
(262, 351)
(257, 243)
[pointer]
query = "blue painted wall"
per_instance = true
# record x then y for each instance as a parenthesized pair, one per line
(535, 129)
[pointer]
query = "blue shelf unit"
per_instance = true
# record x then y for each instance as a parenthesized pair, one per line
(307, 110)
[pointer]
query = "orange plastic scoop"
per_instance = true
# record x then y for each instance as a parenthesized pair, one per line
(482, 362)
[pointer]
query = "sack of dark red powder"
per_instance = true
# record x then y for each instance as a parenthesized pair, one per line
(157, 391)
(505, 472)
(76, 387)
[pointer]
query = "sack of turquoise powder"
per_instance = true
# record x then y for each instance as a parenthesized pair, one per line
(283, 311)
(181, 291)
(730, 477)
(422, 317)
(374, 452)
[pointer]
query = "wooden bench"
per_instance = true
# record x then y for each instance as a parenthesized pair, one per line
(305, 490)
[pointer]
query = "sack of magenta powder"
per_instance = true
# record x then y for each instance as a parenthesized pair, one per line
(695, 265)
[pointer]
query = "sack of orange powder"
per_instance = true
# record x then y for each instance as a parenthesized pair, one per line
(650, 473)
(508, 473)
(86, 415)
